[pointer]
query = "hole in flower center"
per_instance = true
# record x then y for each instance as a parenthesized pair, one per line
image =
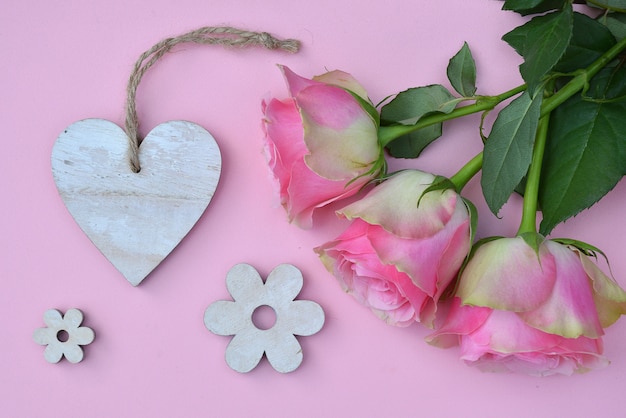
(264, 317)
(63, 336)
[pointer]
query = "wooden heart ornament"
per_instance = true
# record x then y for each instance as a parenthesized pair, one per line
(136, 219)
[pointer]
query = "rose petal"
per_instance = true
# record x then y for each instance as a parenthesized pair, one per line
(540, 364)
(339, 134)
(461, 320)
(307, 192)
(433, 262)
(284, 142)
(393, 205)
(505, 333)
(417, 258)
(609, 297)
(390, 294)
(453, 257)
(343, 80)
(570, 310)
(508, 274)
(321, 145)
(296, 83)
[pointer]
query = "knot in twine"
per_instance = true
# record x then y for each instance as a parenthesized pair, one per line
(224, 35)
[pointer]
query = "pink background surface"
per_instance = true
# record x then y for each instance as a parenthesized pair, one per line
(65, 61)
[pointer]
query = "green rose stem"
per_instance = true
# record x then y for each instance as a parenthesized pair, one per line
(528, 223)
(531, 191)
(386, 134)
(581, 79)
(466, 172)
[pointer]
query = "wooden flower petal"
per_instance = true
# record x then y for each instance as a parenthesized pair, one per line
(278, 342)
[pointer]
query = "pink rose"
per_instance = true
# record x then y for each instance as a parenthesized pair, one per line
(396, 257)
(537, 312)
(321, 144)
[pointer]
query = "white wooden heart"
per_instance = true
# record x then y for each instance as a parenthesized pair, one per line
(136, 219)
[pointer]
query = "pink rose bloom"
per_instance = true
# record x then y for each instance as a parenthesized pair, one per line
(319, 141)
(396, 257)
(538, 313)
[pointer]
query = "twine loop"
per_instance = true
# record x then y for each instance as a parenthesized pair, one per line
(212, 35)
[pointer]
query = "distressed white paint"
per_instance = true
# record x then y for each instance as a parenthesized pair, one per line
(69, 346)
(136, 219)
(293, 317)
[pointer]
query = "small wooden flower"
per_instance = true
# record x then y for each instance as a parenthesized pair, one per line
(63, 336)
(293, 317)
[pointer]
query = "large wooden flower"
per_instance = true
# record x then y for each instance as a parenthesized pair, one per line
(293, 317)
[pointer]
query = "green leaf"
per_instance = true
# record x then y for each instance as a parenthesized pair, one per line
(586, 150)
(526, 7)
(533, 240)
(410, 106)
(613, 91)
(462, 72)
(616, 23)
(412, 144)
(367, 106)
(614, 5)
(587, 249)
(473, 215)
(517, 5)
(542, 42)
(439, 183)
(508, 151)
(590, 39)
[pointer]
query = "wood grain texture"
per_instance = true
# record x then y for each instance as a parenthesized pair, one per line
(63, 335)
(136, 219)
(278, 342)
